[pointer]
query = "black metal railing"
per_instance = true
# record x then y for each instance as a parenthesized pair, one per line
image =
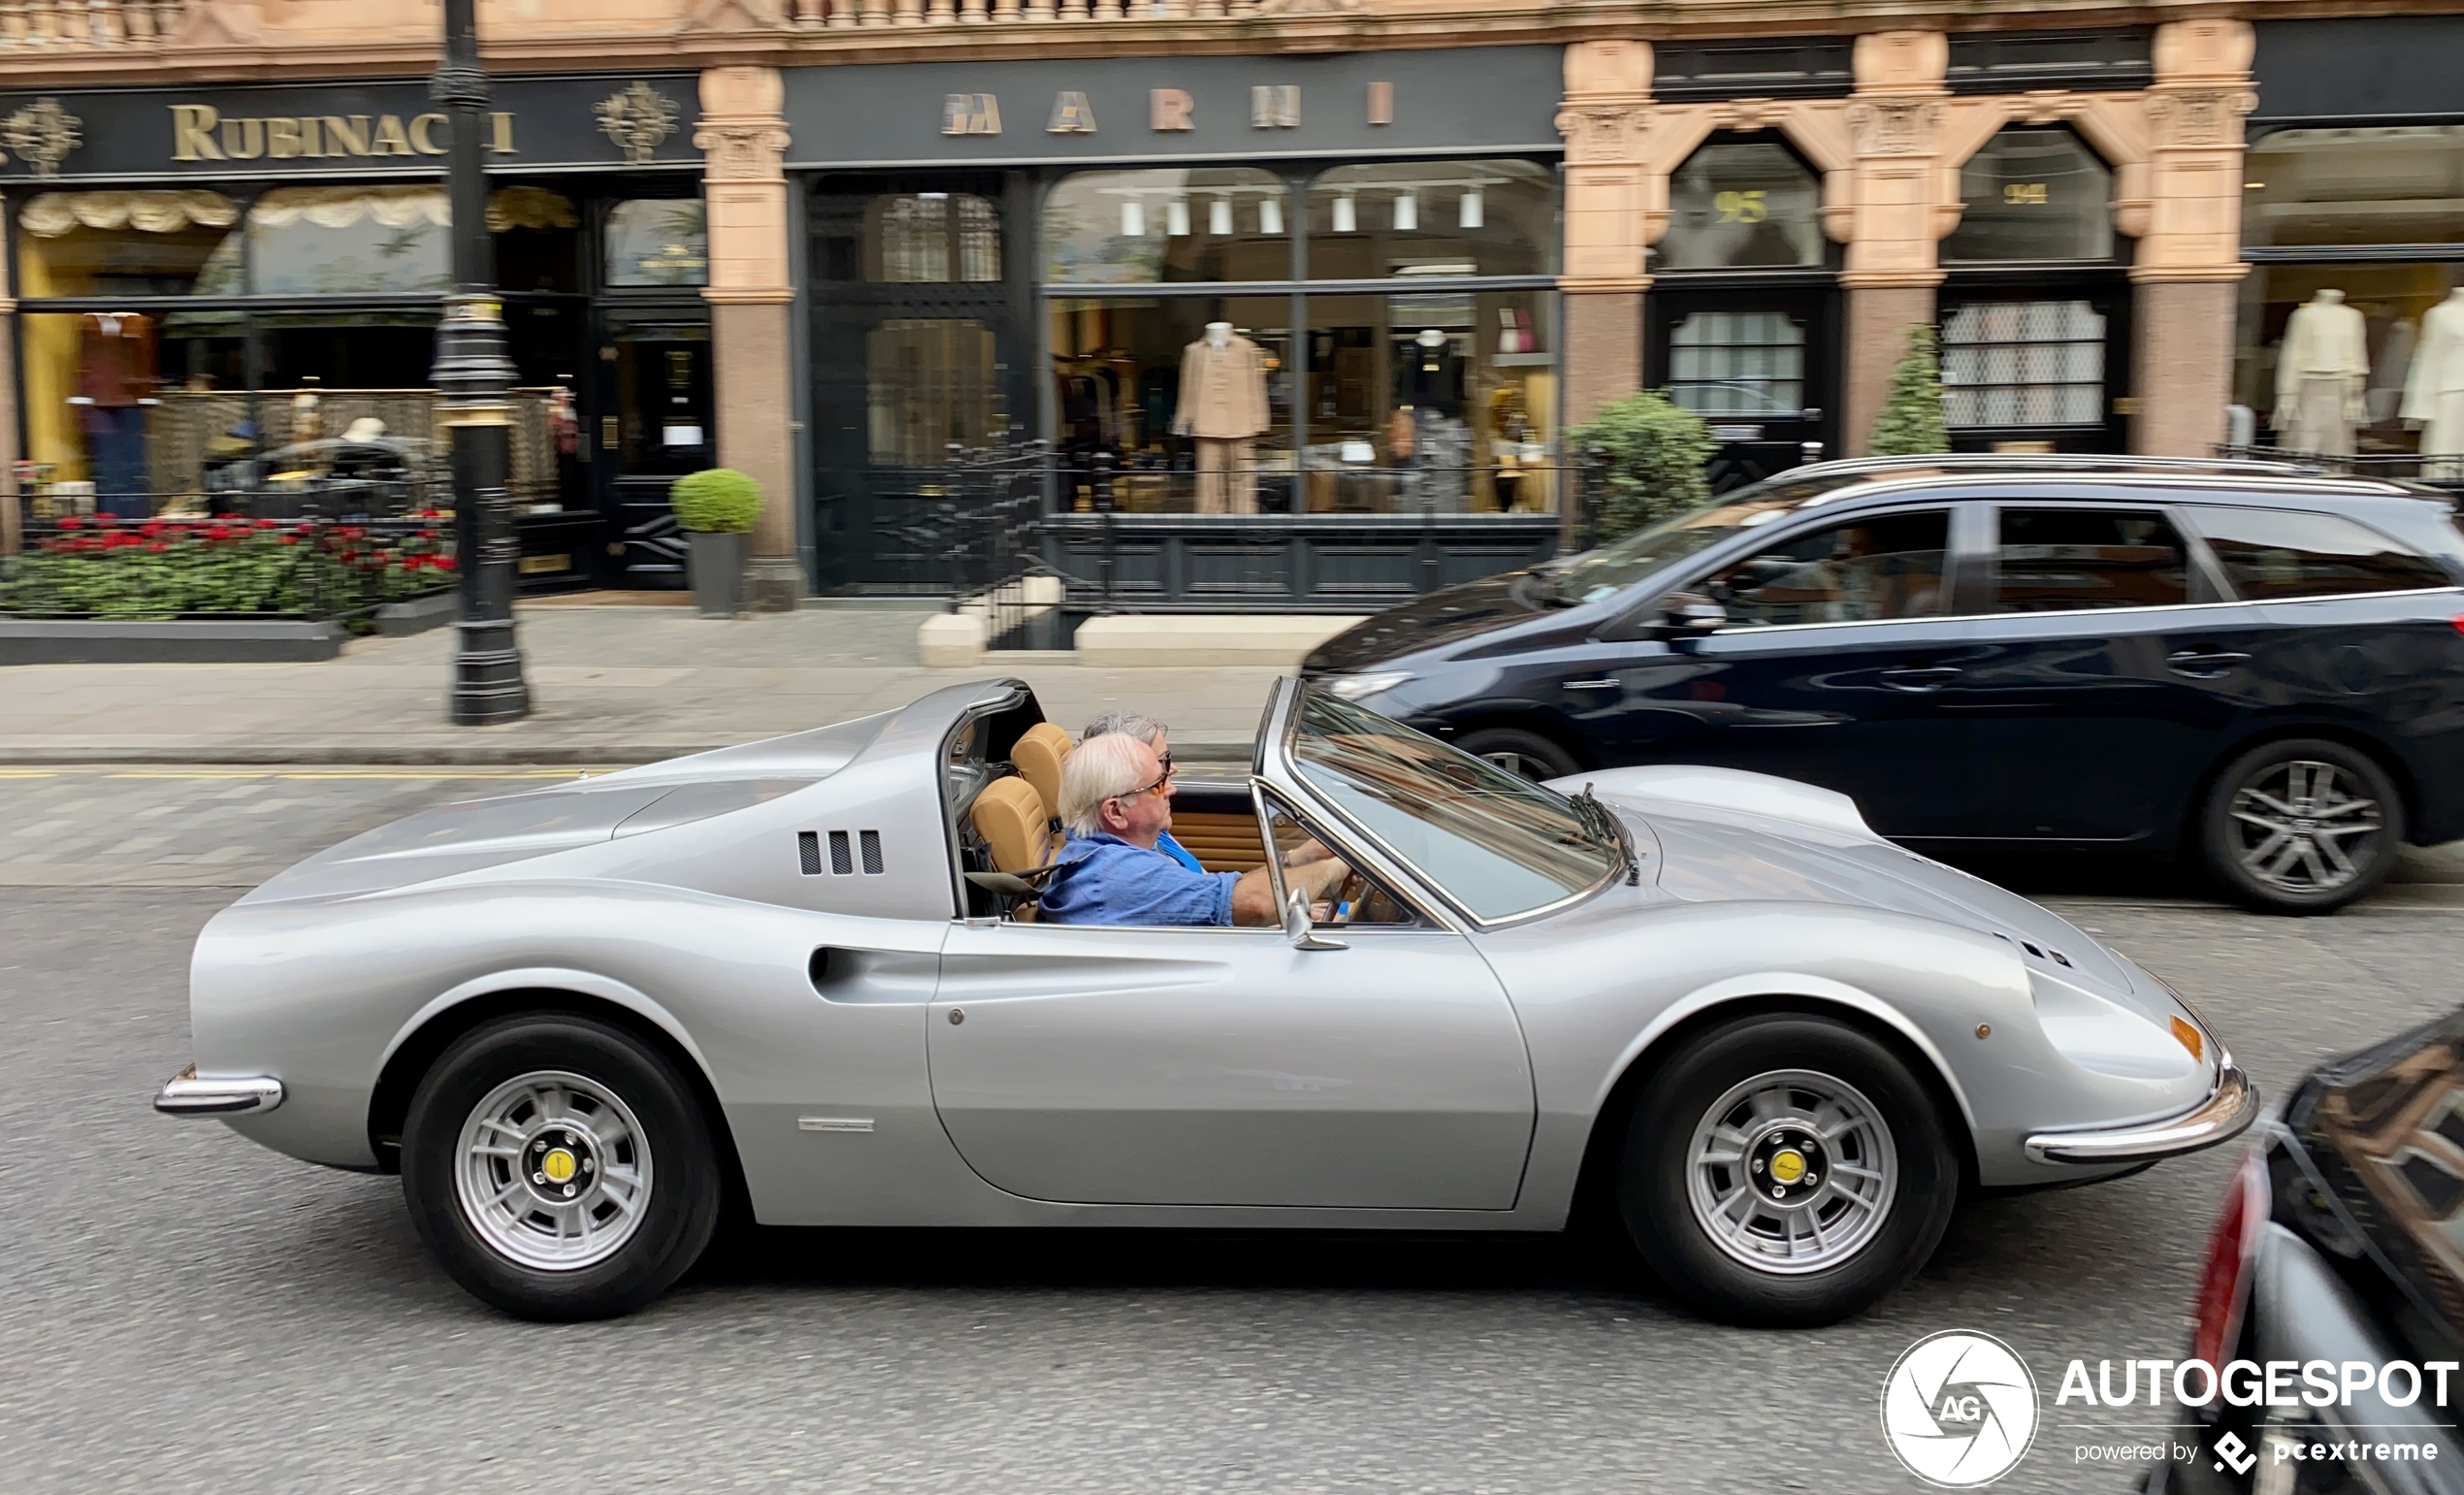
(2437, 470)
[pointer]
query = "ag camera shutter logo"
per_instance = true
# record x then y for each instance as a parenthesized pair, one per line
(1960, 1409)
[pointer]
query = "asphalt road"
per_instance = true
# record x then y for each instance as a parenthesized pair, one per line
(181, 1311)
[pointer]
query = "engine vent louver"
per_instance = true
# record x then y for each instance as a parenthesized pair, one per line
(842, 858)
(872, 852)
(2045, 954)
(842, 852)
(808, 852)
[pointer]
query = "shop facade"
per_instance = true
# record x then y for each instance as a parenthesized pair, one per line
(1275, 331)
(226, 301)
(2350, 330)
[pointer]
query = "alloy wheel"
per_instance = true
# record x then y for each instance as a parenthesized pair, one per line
(554, 1171)
(1792, 1171)
(2305, 826)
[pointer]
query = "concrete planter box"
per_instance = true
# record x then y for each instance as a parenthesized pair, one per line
(88, 642)
(401, 620)
(717, 563)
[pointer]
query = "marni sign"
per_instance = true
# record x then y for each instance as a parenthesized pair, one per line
(365, 129)
(1155, 108)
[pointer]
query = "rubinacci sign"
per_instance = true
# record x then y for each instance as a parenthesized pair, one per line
(373, 129)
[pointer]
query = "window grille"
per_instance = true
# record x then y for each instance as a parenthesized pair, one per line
(2023, 363)
(1749, 364)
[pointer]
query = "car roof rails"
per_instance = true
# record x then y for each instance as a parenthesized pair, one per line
(2076, 462)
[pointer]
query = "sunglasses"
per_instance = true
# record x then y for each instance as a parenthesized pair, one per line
(1161, 780)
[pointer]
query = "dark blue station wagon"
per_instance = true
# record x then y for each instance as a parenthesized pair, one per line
(2239, 661)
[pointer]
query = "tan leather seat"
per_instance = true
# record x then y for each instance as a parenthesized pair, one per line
(1010, 817)
(1037, 756)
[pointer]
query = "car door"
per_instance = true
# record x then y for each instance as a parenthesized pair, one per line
(2108, 664)
(1838, 637)
(1208, 1066)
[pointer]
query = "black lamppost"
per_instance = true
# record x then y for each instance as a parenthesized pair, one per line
(473, 374)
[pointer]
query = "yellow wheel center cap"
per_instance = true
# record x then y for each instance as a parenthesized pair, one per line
(1788, 1165)
(558, 1165)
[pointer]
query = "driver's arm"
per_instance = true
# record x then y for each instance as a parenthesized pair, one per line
(1253, 896)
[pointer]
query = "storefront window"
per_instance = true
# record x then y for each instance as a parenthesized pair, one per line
(128, 244)
(1739, 364)
(660, 241)
(663, 399)
(2023, 362)
(930, 382)
(1741, 205)
(1117, 369)
(932, 237)
(2400, 395)
(537, 240)
(2384, 186)
(1413, 218)
(2034, 194)
(330, 240)
(1440, 400)
(1180, 225)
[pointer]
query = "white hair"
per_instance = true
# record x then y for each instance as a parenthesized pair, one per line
(1104, 767)
(1129, 723)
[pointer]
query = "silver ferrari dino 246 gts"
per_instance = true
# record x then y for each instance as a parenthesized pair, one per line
(806, 973)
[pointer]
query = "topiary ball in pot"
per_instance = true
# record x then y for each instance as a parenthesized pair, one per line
(718, 500)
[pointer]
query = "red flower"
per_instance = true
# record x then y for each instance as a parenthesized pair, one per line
(107, 521)
(288, 539)
(159, 546)
(444, 563)
(413, 563)
(268, 524)
(71, 522)
(427, 535)
(150, 528)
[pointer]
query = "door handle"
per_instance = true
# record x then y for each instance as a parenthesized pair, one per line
(2204, 662)
(1920, 677)
(1590, 685)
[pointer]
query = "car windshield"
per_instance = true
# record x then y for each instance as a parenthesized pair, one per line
(1495, 842)
(1620, 564)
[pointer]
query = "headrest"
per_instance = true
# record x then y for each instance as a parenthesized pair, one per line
(1010, 817)
(1037, 756)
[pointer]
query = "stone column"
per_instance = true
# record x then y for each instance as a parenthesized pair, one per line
(12, 521)
(1605, 118)
(2190, 255)
(1895, 122)
(743, 136)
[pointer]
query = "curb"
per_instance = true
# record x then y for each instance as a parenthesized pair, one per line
(399, 753)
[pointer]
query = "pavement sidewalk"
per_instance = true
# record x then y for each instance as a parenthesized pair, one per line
(609, 685)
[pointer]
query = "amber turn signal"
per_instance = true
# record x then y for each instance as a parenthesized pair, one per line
(2188, 1038)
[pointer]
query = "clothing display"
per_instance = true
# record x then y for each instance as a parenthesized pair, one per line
(2434, 396)
(2321, 372)
(116, 384)
(1227, 475)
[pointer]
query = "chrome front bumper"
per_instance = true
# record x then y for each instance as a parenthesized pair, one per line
(2225, 1115)
(184, 1094)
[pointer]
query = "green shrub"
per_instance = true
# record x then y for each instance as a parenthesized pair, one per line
(718, 500)
(1910, 424)
(1655, 454)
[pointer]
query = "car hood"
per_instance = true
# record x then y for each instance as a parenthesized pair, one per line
(1729, 835)
(1442, 616)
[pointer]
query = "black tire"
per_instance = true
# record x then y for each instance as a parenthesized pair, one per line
(683, 1178)
(1653, 1173)
(2288, 881)
(1516, 751)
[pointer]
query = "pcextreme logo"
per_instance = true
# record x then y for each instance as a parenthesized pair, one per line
(1960, 1409)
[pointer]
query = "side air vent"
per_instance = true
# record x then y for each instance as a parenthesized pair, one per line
(2045, 954)
(842, 857)
(808, 851)
(872, 852)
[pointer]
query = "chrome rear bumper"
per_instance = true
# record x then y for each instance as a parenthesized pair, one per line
(2222, 1115)
(184, 1094)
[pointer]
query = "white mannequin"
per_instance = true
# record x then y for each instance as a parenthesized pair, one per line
(2434, 396)
(1223, 404)
(1218, 335)
(2321, 370)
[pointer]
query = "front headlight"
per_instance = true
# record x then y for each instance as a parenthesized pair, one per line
(1361, 686)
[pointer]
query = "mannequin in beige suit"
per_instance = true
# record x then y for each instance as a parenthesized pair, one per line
(1223, 405)
(2434, 397)
(2319, 372)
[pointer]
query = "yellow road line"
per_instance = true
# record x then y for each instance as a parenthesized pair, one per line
(28, 773)
(437, 775)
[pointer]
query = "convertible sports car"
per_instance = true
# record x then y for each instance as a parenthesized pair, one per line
(808, 972)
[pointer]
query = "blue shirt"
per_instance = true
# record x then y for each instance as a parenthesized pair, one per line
(1103, 879)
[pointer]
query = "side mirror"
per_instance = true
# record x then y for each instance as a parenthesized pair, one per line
(1692, 612)
(1300, 929)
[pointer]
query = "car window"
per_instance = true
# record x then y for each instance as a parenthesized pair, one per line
(2279, 553)
(1497, 843)
(1358, 902)
(1621, 563)
(2063, 560)
(1864, 570)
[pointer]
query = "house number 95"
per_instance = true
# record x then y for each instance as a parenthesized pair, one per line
(1742, 206)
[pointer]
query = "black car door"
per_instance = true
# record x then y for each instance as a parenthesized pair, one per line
(2108, 666)
(1828, 668)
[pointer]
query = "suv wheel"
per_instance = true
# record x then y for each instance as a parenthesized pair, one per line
(559, 1168)
(1516, 751)
(2302, 827)
(1785, 1171)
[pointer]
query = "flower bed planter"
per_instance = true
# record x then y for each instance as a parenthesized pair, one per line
(99, 591)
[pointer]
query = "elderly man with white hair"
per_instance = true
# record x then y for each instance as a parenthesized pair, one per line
(1154, 733)
(1117, 804)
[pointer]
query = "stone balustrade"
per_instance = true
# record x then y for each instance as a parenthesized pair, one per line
(88, 25)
